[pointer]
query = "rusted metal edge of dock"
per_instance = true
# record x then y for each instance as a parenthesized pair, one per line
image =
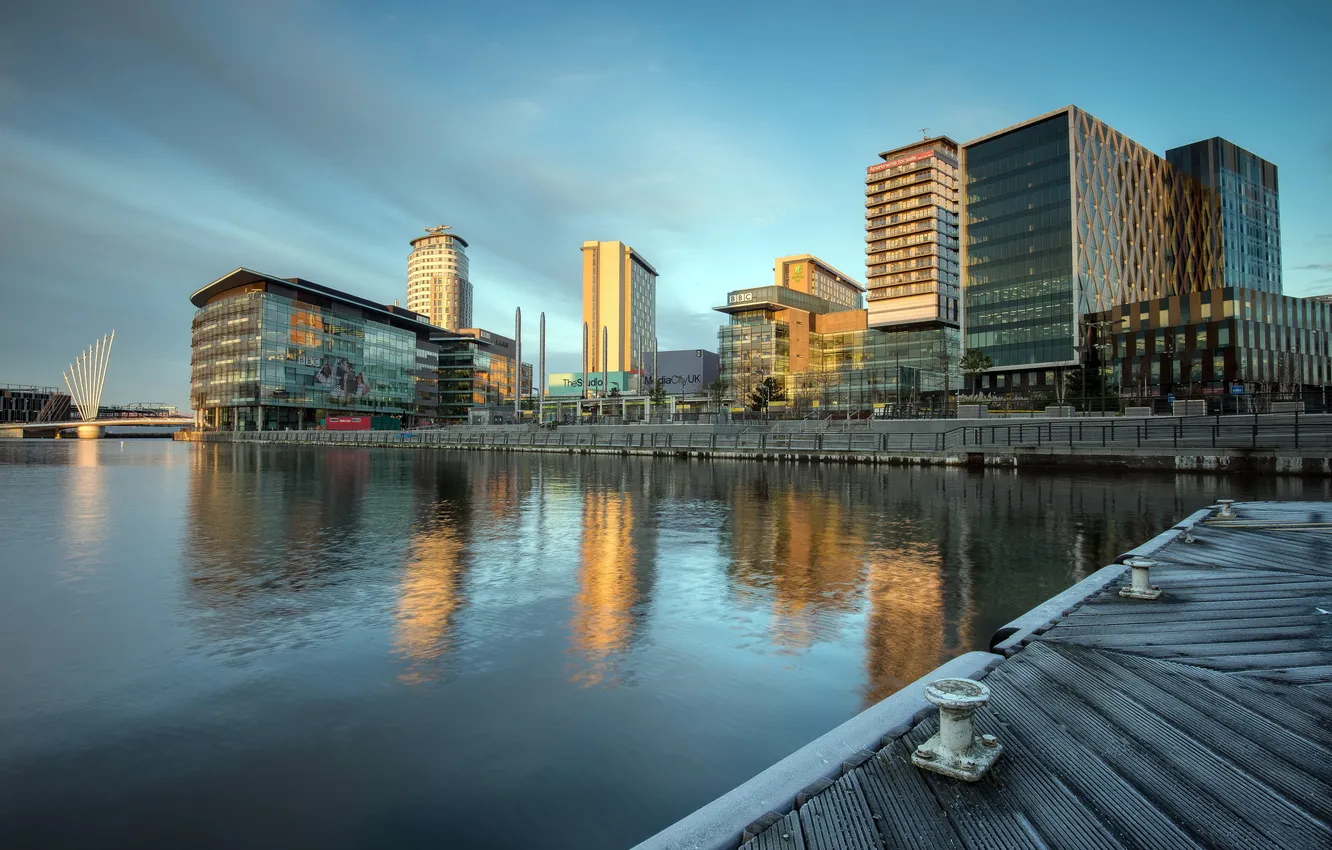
(1199, 718)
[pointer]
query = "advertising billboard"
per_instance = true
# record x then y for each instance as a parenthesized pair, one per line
(571, 383)
(340, 377)
(687, 371)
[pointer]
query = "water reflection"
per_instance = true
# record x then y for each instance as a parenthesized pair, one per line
(432, 591)
(87, 509)
(314, 638)
(803, 552)
(276, 540)
(617, 554)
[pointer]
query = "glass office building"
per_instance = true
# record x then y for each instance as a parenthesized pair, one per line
(1241, 190)
(824, 356)
(478, 369)
(270, 353)
(1018, 245)
(1063, 216)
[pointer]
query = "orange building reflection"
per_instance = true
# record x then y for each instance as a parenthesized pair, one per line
(602, 628)
(430, 597)
(806, 551)
(822, 549)
(907, 628)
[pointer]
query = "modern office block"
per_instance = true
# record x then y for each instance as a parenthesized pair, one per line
(1241, 190)
(807, 273)
(1062, 217)
(270, 353)
(619, 303)
(911, 234)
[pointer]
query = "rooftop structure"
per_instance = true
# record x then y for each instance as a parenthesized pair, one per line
(807, 273)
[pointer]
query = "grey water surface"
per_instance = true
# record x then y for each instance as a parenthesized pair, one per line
(216, 646)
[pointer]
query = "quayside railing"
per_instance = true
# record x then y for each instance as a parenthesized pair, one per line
(1269, 431)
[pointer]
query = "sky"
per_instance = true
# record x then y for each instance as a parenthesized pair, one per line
(148, 147)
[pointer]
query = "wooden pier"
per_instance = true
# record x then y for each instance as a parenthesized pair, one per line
(1199, 719)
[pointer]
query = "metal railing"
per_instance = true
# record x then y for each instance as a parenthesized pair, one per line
(1254, 432)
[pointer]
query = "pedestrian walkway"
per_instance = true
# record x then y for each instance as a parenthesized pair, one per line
(1200, 719)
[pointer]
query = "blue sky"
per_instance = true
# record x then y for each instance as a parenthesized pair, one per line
(148, 147)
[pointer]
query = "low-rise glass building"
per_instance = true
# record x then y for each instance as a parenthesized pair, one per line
(272, 353)
(1226, 341)
(477, 369)
(824, 356)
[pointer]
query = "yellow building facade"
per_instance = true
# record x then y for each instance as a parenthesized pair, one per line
(619, 299)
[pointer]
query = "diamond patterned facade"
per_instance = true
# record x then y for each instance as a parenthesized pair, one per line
(1062, 217)
(1142, 230)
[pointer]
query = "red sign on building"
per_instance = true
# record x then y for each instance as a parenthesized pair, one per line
(347, 423)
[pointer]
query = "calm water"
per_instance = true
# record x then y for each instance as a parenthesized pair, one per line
(218, 646)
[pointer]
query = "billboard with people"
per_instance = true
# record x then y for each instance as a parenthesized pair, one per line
(340, 377)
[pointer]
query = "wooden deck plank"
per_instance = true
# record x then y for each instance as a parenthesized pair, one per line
(1221, 630)
(1244, 794)
(1285, 762)
(1139, 821)
(1059, 815)
(1276, 647)
(1279, 703)
(903, 806)
(982, 814)
(1192, 801)
(839, 819)
(785, 834)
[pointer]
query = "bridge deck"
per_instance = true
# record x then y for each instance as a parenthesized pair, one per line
(1197, 720)
(101, 423)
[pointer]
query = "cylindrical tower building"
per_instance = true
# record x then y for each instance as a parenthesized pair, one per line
(438, 284)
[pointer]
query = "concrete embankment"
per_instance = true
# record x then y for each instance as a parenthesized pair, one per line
(1273, 444)
(1182, 706)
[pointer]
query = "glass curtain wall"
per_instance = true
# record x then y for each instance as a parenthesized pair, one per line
(298, 362)
(1019, 255)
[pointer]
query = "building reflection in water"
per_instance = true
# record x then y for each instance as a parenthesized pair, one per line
(803, 551)
(617, 555)
(830, 546)
(905, 632)
(271, 535)
(432, 592)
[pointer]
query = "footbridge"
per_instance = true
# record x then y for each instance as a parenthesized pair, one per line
(87, 430)
(84, 379)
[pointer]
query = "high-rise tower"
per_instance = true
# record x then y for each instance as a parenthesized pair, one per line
(1241, 189)
(620, 295)
(911, 234)
(438, 285)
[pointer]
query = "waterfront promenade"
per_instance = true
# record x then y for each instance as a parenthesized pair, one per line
(1264, 443)
(1197, 719)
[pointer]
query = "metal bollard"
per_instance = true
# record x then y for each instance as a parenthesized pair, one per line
(1142, 587)
(956, 750)
(1225, 507)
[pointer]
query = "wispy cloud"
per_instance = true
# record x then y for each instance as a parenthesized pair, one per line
(313, 152)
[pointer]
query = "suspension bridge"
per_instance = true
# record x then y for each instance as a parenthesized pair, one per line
(85, 379)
